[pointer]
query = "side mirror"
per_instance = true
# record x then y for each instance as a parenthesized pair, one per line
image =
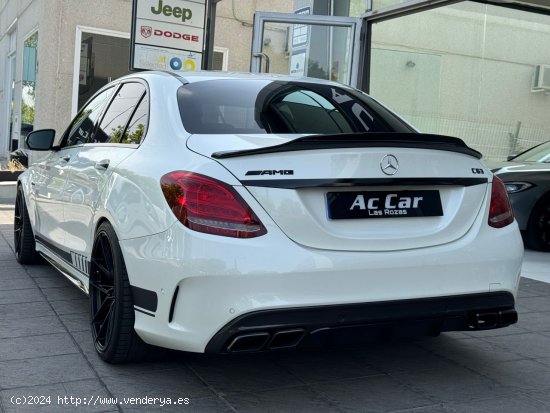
(40, 140)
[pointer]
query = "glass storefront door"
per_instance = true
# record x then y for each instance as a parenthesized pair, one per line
(102, 59)
(306, 45)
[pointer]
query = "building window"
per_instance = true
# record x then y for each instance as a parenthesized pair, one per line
(220, 58)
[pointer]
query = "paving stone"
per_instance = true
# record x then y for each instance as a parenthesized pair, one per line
(11, 266)
(57, 281)
(242, 374)
(71, 306)
(292, 400)
(536, 322)
(76, 322)
(540, 396)
(43, 270)
(64, 293)
(27, 295)
(525, 375)
(372, 394)
(43, 370)
(25, 310)
(537, 304)
(36, 346)
(455, 384)
(402, 357)
(316, 366)
(469, 353)
(21, 281)
(532, 345)
(10, 328)
(507, 404)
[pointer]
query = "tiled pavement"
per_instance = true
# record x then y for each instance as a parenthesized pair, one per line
(46, 350)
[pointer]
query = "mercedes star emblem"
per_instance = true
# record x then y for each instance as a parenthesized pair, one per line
(389, 165)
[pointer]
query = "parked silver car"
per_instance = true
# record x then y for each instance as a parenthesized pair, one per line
(527, 179)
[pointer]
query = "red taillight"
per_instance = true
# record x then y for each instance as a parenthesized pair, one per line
(500, 212)
(207, 205)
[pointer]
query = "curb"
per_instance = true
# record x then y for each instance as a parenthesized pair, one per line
(8, 190)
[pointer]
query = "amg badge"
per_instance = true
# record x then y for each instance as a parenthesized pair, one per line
(271, 172)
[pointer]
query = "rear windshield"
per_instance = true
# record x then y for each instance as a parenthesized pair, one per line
(262, 106)
(540, 153)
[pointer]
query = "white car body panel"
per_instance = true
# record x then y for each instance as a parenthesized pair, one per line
(90, 171)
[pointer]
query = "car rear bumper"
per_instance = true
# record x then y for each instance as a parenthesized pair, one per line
(344, 324)
(201, 283)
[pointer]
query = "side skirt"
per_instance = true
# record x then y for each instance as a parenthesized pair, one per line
(74, 275)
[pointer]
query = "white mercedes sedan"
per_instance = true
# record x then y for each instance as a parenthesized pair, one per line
(228, 213)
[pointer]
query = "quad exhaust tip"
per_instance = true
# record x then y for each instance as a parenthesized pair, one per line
(279, 340)
(495, 319)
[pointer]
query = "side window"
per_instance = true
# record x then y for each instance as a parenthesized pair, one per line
(82, 127)
(113, 126)
(138, 124)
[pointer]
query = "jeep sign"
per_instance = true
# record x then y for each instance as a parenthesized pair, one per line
(170, 31)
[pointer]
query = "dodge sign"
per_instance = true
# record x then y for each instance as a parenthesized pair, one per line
(168, 34)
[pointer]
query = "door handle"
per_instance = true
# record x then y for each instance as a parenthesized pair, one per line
(102, 165)
(65, 158)
(262, 56)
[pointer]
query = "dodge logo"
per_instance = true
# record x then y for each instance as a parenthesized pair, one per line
(146, 31)
(389, 165)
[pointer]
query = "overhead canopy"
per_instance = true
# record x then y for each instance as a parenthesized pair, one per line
(540, 4)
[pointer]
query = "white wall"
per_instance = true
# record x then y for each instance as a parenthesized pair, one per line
(481, 86)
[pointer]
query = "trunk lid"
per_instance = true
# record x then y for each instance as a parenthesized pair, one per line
(359, 192)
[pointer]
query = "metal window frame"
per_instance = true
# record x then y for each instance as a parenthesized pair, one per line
(405, 8)
(387, 13)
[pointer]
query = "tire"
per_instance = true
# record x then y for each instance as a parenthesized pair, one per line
(538, 230)
(23, 236)
(111, 304)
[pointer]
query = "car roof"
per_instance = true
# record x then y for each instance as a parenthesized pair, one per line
(201, 76)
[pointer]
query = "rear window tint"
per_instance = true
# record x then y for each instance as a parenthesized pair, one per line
(262, 106)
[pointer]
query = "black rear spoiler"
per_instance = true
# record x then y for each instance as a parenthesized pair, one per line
(361, 140)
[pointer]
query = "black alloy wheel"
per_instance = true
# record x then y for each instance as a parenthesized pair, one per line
(111, 304)
(23, 236)
(538, 233)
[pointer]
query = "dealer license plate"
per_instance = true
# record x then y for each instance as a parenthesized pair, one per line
(383, 204)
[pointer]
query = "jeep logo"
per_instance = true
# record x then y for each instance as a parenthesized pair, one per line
(177, 12)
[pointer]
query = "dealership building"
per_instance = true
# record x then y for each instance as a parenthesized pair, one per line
(479, 70)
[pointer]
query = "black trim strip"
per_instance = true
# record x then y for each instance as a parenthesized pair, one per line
(66, 256)
(143, 312)
(145, 299)
(517, 6)
(346, 183)
(361, 140)
(173, 304)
